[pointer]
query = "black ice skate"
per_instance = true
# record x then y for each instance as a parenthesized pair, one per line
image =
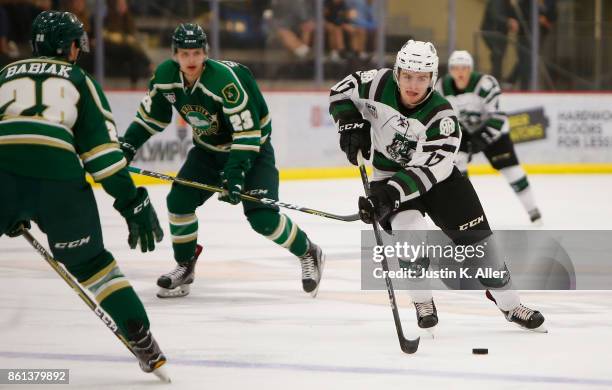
(312, 263)
(147, 351)
(427, 315)
(523, 316)
(176, 284)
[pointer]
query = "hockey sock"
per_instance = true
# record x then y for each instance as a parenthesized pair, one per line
(280, 229)
(184, 232)
(516, 177)
(103, 278)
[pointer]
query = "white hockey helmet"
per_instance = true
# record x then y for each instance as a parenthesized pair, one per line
(460, 58)
(417, 56)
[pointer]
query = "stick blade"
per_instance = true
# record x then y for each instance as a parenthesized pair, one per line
(410, 346)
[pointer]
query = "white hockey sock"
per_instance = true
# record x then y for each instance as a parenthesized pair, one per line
(516, 177)
(413, 226)
(506, 299)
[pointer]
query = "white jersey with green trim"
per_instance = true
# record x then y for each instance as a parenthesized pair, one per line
(413, 148)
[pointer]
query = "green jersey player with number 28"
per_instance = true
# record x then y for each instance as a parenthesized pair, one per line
(232, 136)
(55, 125)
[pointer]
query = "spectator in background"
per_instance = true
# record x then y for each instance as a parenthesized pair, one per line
(547, 15)
(336, 13)
(499, 19)
(123, 52)
(21, 13)
(79, 8)
(294, 24)
(4, 29)
(361, 23)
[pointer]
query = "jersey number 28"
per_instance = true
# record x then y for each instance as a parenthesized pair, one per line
(58, 99)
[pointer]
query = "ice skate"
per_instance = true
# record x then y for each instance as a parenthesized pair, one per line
(312, 263)
(427, 315)
(150, 357)
(523, 317)
(176, 283)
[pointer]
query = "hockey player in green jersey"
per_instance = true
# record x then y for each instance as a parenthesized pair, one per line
(475, 97)
(55, 125)
(232, 136)
(415, 135)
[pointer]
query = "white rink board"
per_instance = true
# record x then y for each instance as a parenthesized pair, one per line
(579, 130)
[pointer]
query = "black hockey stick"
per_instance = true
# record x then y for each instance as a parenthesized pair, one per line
(407, 345)
(93, 305)
(250, 198)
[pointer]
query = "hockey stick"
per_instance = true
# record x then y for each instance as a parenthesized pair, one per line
(407, 345)
(98, 311)
(250, 198)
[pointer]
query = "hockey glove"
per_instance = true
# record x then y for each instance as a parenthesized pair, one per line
(233, 183)
(16, 229)
(355, 136)
(383, 200)
(129, 150)
(142, 222)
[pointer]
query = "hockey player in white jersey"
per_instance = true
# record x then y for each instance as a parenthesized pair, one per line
(415, 135)
(475, 97)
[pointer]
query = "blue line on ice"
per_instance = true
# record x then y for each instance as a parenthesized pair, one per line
(480, 376)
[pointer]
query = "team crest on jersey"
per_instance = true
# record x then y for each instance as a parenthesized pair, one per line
(171, 97)
(401, 149)
(230, 93)
(447, 126)
(202, 122)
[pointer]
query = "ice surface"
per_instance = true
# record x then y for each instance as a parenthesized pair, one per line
(248, 325)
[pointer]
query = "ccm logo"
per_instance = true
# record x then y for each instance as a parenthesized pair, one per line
(73, 244)
(351, 126)
(472, 223)
(141, 206)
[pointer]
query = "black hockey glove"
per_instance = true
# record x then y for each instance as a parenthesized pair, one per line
(383, 200)
(129, 150)
(16, 229)
(142, 222)
(355, 136)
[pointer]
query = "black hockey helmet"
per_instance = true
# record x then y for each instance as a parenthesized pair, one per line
(53, 33)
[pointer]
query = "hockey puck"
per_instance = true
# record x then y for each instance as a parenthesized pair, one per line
(480, 351)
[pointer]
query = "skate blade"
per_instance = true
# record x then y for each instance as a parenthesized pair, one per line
(538, 223)
(540, 329)
(162, 373)
(177, 292)
(314, 292)
(431, 332)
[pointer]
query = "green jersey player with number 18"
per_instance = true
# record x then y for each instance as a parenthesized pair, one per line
(415, 135)
(232, 136)
(55, 125)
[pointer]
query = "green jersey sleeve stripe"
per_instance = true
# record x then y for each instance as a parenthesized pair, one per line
(110, 170)
(407, 178)
(145, 126)
(104, 161)
(94, 93)
(152, 121)
(98, 151)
